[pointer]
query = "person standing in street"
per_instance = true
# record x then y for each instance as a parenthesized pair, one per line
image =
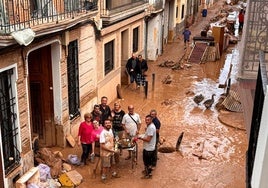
(186, 36)
(132, 124)
(95, 138)
(241, 20)
(117, 116)
(131, 69)
(157, 124)
(105, 109)
(107, 150)
(118, 129)
(96, 113)
(84, 137)
(142, 67)
(149, 142)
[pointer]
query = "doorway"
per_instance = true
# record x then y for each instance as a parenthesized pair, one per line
(41, 95)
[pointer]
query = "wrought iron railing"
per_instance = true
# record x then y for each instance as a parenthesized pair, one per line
(73, 80)
(20, 14)
(108, 7)
(8, 125)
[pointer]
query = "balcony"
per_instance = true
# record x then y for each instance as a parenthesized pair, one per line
(114, 11)
(156, 6)
(40, 15)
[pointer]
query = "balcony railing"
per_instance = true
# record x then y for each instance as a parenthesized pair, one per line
(111, 7)
(114, 11)
(20, 14)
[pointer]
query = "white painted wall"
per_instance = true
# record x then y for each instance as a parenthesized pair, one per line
(260, 169)
(166, 22)
(154, 37)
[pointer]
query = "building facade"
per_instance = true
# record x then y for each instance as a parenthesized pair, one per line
(58, 58)
(252, 77)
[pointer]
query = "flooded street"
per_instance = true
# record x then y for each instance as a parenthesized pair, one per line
(211, 154)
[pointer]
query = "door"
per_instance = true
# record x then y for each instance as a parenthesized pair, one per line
(41, 95)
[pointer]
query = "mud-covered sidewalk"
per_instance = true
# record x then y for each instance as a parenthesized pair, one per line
(212, 151)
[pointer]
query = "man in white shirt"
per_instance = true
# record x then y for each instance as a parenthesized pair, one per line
(149, 141)
(132, 123)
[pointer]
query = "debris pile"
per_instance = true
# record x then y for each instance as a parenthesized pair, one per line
(51, 170)
(167, 63)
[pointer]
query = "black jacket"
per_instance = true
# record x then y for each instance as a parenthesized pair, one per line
(129, 65)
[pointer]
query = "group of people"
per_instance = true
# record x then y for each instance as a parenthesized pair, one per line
(103, 127)
(136, 68)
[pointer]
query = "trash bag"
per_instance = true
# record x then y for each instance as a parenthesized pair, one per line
(44, 172)
(73, 159)
(32, 185)
(46, 156)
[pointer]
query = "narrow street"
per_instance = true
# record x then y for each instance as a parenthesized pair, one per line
(211, 154)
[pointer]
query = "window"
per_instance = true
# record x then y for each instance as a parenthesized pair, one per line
(108, 4)
(182, 12)
(3, 15)
(109, 57)
(135, 39)
(177, 11)
(71, 5)
(73, 80)
(42, 8)
(8, 121)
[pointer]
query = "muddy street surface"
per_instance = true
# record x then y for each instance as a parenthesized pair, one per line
(211, 154)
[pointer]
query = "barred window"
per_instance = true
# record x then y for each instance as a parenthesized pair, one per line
(73, 80)
(135, 39)
(40, 8)
(109, 57)
(8, 121)
(71, 5)
(182, 11)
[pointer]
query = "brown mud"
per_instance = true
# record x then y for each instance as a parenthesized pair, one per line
(211, 154)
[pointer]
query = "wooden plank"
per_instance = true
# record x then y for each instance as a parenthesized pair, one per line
(70, 140)
(31, 176)
(75, 177)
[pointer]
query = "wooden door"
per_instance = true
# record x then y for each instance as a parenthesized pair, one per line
(41, 94)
